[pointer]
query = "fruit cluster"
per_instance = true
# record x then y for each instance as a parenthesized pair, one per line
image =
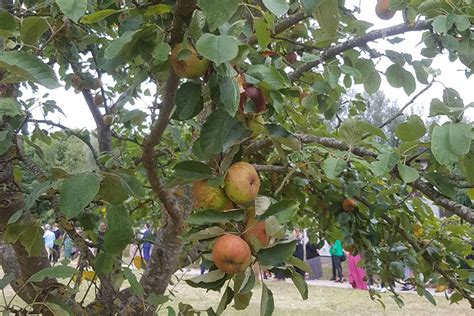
(232, 253)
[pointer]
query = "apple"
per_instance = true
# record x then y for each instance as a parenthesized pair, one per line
(348, 205)
(257, 97)
(231, 254)
(255, 234)
(98, 100)
(382, 9)
(207, 196)
(291, 57)
(108, 119)
(190, 66)
(241, 183)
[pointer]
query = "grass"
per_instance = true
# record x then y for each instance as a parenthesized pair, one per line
(322, 301)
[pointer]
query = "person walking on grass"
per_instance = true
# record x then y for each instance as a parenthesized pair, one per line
(337, 256)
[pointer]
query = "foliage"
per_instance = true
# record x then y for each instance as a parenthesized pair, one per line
(288, 64)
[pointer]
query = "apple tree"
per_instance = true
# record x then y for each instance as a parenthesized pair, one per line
(232, 89)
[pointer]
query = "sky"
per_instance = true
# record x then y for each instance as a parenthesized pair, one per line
(452, 75)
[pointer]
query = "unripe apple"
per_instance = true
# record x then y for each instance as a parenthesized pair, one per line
(207, 196)
(98, 100)
(191, 66)
(108, 119)
(242, 183)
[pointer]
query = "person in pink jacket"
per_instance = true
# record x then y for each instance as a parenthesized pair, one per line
(356, 273)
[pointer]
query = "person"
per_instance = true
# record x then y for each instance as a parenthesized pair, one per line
(299, 250)
(356, 273)
(147, 237)
(49, 238)
(101, 236)
(314, 260)
(336, 257)
(68, 244)
(57, 242)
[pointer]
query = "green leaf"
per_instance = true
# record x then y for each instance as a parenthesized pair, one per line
(157, 300)
(455, 297)
(192, 170)
(189, 101)
(8, 278)
(73, 9)
(267, 305)
(77, 192)
(277, 7)
(276, 253)
(408, 174)
(120, 45)
(97, 16)
(119, 231)
(7, 22)
(462, 22)
(441, 24)
(207, 233)
(218, 48)
(300, 284)
(372, 84)
(327, 15)
(269, 74)
(32, 240)
(262, 32)
(210, 277)
(369, 128)
(112, 190)
(162, 51)
(333, 167)
(385, 163)
(137, 288)
(104, 263)
(132, 185)
(213, 217)
(429, 297)
(226, 299)
(26, 66)
(300, 264)
(214, 132)
(398, 77)
(218, 11)
(412, 129)
(242, 300)
(15, 217)
(36, 192)
(229, 95)
(9, 107)
(442, 184)
(58, 272)
(32, 28)
(449, 141)
(282, 210)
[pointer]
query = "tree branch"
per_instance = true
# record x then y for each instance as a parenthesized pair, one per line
(460, 210)
(72, 132)
(282, 25)
(357, 42)
(400, 112)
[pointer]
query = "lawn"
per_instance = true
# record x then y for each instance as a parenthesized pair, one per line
(322, 301)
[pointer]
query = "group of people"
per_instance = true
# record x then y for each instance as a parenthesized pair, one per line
(56, 242)
(310, 253)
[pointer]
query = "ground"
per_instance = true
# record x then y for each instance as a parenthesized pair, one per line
(324, 299)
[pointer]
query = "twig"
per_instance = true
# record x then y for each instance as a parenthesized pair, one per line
(357, 42)
(400, 112)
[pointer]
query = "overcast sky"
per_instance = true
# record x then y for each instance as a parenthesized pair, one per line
(78, 116)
